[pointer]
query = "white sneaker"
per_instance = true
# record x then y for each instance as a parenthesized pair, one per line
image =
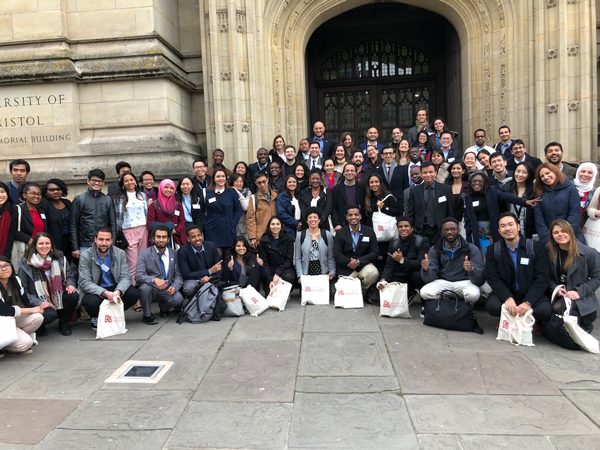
(94, 323)
(422, 312)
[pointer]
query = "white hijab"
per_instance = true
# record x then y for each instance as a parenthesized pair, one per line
(586, 187)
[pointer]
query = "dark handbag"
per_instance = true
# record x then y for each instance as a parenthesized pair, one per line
(554, 329)
(450, 313)
(122, 241)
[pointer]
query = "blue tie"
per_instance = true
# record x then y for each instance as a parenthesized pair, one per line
(163, 268)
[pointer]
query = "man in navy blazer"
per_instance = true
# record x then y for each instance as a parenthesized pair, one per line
(372, 135)
(325, 144)
(198, 260)
(157, 276)
(519, 154)
(395, 177)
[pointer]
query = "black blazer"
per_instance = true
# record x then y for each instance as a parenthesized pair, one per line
(413, 255)
(397, 185)
(328, 146)
(253, 169)
(324, 203)
(531, 160)
(55, 221)
(276, 258)
(534, 277)
(416, 205)
(367, 249)
(340, 203)
(190, 265)
(26, 232)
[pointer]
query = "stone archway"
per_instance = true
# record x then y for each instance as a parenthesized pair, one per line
(528, 64)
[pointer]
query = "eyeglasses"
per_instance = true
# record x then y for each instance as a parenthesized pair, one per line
(388, 153)
(4, 266)
(96, 181)
(54, 189)
(476, 181)
(34, 194)
(449, 229)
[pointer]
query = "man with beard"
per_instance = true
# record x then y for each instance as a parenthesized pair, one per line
(218, 156)
(158, 278)
(519, 154)
(554, 153)
(104, 275)
(358, 160)
(262, 164)
(396, 138)
(452, 264)
(348, 192)
(415, 180)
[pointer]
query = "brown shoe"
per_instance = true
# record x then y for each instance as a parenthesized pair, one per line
(497, 325)
(538, 329)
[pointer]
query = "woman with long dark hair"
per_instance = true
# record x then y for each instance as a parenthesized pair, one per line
(276, 249)
(373, 160)
(244, 268)
(441, 166)
(301, 174)
(521, 185)
(560, 200)
(276, 179)
(378, 198)
(14, 303)
(458, 179)
(330, 176)
(191, 202)
(288, 207)
(317, 196)
(402, 158)
(340, 157)
(168, 211)
(348, 142)
(483, 158)
(7, 235)
(424, 145)
(242, 168)
(577, 267)
(58, 213)
(49, 282)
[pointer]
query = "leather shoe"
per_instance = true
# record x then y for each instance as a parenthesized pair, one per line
(41, 331)
(64, 328)
(150, 320)
(164, 314)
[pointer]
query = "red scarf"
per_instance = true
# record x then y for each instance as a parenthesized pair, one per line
(330, 180)
(4, 227)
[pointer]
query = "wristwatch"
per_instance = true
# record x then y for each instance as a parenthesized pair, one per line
(402, 261)
(358, 262)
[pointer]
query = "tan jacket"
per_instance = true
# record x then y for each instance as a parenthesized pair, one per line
(258, 218)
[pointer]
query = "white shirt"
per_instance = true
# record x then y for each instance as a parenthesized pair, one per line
(476, 149)
(165, 258)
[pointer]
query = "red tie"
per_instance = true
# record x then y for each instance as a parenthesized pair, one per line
(389, 167)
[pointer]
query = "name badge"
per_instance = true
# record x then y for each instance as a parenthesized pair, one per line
(43, 216)
(105, 268)
(451, 160)
(195, 206)
(525, 261)
(476, 203)
(22, 291)
(442, 199)
(177, 212)
(212, 200)
(365, 239)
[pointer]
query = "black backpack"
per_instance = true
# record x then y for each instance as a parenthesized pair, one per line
(323, 236)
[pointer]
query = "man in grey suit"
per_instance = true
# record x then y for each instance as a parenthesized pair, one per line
(158, 277)
(315, 161)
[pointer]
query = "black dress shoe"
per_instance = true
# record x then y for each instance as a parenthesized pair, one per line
(41, 331)
(150, 320)
(64, 328)
(164, 314)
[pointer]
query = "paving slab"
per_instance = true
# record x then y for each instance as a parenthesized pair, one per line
(105, 440)
(413, 336)
(90, 355)
(232, 425)
(494, 414)
(62, 384)
(202, 338)
(513, 374)
(568, 369)
(473, 342)
(136, 329)
(351, 421)
(14, 367)
(262, 371)
(344, 354)
(506, 442)
(347, 385)
(327, 319)
(414, 310)
(575, 442)
(439, 442)
(586, 401)
(18, 415)
(438, 372)
(272, 325)
(15, 447)
(128, 410)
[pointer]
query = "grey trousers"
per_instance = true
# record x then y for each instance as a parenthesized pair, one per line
(150, 293)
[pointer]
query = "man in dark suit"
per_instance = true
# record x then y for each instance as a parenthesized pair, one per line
(262, 164)
(372, 135)
(450, 153)
(157, 276)
(326, 145)
(506, 143)
(519, 154)
(198, 261)
(315, 161)
(429, 203)
(348, 192)
(395, 177)
(355, 250)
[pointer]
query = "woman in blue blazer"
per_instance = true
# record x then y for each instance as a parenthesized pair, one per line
(243, 267)
(288, 207)
(223, 211)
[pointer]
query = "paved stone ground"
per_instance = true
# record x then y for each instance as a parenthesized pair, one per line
(306, 378)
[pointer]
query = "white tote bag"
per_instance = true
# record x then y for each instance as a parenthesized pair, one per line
(585, 340)
(278, 296)
(385, 227)
(591, 231)
(231, 297)
(255, 303)
(516, 329)
(8, 331)
(315, 289)
(111, 320)
(393, 300)
(348, 293)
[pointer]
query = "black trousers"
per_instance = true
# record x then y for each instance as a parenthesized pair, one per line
(432, 234)
(64, 314)
(583, 321)
(414, 281)
(92, 302)
(288, 275)
(541, 312)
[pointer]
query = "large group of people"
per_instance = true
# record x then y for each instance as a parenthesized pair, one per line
(490, 216)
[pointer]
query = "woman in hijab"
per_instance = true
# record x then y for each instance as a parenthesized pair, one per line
(168, 211)
(584, 181)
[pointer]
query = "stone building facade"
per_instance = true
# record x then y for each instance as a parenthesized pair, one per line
(86, 83)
